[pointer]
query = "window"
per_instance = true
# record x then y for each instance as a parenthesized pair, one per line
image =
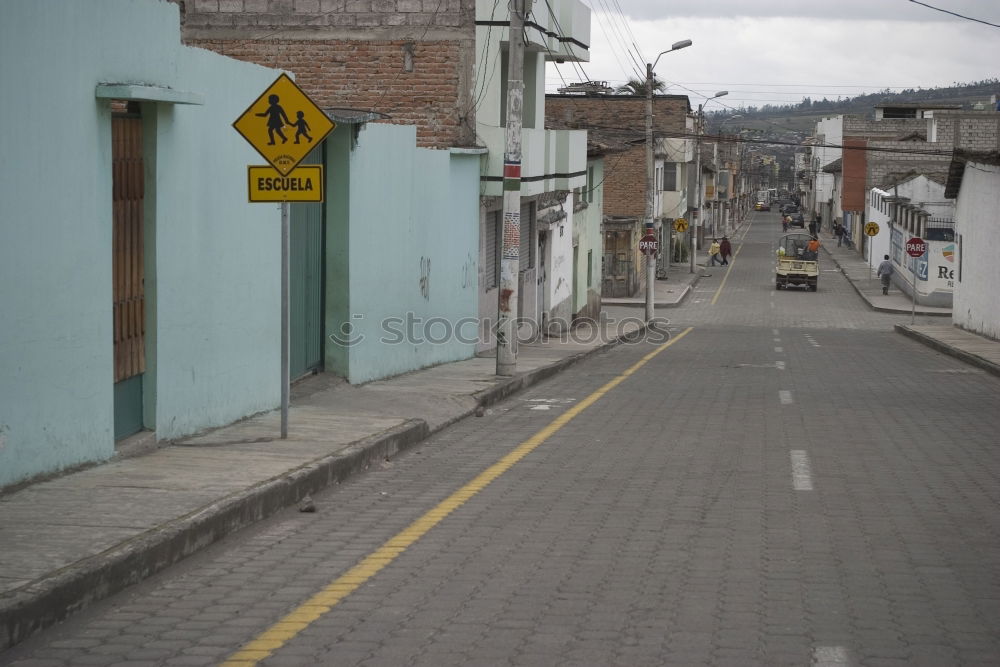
(590, 268)
(670, 176)
(591, 185)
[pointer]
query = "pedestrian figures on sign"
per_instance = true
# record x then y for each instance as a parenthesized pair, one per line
(725, 250)
(276, 119)
(301, 127)
(884, 273)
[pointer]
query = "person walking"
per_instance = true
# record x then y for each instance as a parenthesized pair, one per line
(725, 250)
(838, 231)
(884, 273)
(713, 251)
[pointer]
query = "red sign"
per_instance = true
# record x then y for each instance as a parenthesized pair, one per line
(648, 245)
(916, 247)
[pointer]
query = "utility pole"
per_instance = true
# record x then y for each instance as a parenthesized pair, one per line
(649, 224)
(511, 243)
(651, 258)
(697, 199)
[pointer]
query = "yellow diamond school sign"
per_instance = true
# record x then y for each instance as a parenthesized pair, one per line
(284, 125)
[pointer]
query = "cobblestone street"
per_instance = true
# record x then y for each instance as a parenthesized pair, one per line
(785, 482)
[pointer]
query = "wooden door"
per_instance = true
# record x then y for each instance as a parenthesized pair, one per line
(128, 275)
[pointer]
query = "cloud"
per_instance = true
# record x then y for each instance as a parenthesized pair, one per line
(782, 59)
(859, 10)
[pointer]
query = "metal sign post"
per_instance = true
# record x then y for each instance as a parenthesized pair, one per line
(285, 379)
(915, 248)
(266, 125)
(871, 229)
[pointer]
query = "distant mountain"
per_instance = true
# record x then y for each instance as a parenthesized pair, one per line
(775, 120)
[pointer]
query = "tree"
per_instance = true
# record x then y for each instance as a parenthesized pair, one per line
(637, 87)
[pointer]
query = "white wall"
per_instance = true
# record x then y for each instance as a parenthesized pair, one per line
(828, 131)
(976, 304)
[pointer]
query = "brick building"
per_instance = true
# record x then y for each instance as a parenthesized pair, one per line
(411, 60)
(625, 174)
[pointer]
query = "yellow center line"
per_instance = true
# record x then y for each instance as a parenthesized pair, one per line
(735, 254)
(319, 604)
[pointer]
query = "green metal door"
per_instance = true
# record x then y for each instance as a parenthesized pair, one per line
(306, 284)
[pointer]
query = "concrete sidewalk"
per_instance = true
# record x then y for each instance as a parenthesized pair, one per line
(667, 293)
(80, 537)
(863, 279)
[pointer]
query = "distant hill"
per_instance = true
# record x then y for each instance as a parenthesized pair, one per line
(774, 121)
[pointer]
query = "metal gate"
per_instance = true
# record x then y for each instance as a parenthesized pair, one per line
(306, 250)
(616, 265)
(128, 272)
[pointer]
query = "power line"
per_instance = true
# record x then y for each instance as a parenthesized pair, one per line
(945, 11)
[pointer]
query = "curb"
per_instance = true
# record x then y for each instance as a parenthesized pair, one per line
(48, 600)
(660, 304)
(879, 309)
(967, 357)
(53, 598)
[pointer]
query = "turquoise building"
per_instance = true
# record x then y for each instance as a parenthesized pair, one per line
(139, 290)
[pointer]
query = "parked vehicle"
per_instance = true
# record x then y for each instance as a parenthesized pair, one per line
(798, 220)
(796, 265)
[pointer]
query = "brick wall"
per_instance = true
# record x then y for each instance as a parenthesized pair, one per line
(625, 183)
(410, 59)
(624, 173)
(889, 159)
(860, 126)
(571, 112)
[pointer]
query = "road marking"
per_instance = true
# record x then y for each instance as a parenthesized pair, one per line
(801, 474)
(779, 350)
(785, 397)
(780, 365)
(286, 629)
(774, 332)
(777, 339)
(830, 656)
(735, 255)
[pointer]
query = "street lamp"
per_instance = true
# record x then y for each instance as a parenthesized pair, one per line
(651, 257)
(697, 155)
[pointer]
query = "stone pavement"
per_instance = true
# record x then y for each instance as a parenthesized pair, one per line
(967, 346)
(72, 540)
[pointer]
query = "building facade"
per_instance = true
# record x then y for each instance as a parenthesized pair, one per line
(145, 297)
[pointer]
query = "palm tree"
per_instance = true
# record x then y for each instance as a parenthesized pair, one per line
(637, 87)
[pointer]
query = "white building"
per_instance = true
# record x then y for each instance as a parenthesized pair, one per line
(916, 206)
(553, 163)
(974, 181)
(829, 138)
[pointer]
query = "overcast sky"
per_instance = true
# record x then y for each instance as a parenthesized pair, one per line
(780, 51)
